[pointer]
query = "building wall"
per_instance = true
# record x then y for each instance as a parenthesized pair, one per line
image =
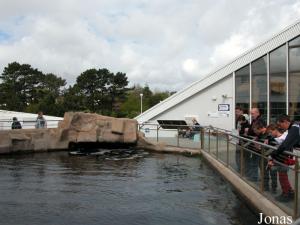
(204, 106)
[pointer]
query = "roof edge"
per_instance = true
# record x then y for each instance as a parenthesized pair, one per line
(223, 66)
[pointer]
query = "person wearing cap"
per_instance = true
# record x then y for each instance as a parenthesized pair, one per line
(16, 124)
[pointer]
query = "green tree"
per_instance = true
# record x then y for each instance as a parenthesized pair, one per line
(157, 98)
(102, 90)
(117, 91)
(24, 88)
(73, 99)
(19, 85)
(131, 107)
(93, 84)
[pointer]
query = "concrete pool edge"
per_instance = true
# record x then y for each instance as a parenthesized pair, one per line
(251, 196)
(247, 192)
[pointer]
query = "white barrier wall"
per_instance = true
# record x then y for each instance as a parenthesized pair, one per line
(27, 120)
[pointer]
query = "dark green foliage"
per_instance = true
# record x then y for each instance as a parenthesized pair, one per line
(132, 105)
(25, 89)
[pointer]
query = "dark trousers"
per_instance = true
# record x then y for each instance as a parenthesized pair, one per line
(251, 165)
(269, 173)
(238, 158)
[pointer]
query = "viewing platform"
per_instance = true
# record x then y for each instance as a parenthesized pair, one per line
(226, 153)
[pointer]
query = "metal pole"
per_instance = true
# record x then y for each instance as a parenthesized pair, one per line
(217, 144)
(202, 138)
(242, 164)
(262, 171)
(141, 103)
(296, 188)
(227, 150)
(157, 133)
(177, 137)
(209, 140)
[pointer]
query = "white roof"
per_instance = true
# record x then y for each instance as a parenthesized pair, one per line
(244, 59)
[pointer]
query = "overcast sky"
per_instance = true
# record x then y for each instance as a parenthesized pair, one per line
(167, 44)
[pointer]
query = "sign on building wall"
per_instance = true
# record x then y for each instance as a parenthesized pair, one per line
(223, 107)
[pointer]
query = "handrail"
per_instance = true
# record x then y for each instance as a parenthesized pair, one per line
(25, 121)
(228, 133)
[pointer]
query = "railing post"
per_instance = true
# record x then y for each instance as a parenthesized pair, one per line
(209, 140)
(157, 133)
(217, 144)
(177, 137)
(296, 188)
(202, 138)
(262, 171)
(242, 162)
(227, 150)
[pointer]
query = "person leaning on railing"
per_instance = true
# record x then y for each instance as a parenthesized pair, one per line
(252, 159)
(292, 140)
(241, 124)
(195, 129)
(263, 136)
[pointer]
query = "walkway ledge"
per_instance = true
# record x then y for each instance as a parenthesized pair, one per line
(252, 197)
(248, 193)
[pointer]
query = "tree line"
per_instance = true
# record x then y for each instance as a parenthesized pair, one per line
(27, 89)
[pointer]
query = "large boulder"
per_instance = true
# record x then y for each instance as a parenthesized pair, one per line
(88, 127)
(75, 128)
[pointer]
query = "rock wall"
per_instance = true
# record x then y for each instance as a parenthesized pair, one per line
(75, 128)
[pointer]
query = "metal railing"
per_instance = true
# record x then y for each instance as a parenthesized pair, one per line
(6, 124)
(249, 159)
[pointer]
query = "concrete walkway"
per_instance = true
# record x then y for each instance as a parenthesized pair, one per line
(220, 156)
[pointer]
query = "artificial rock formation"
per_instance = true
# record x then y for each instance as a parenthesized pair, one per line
(75, 128)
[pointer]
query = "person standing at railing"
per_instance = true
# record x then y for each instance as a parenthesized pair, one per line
(16, 124)
(241, 124)
(292, 140)
(195, 129)
(40, 121)
(251, 159)
(263, 136)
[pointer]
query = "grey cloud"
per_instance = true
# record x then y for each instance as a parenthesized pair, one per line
(167, 44)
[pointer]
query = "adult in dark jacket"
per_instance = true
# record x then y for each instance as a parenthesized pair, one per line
(255, 118)
(292, 140)
(251, 159)
(241, 124)
(16, 124)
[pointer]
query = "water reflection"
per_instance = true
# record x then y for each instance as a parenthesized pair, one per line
(55, 188)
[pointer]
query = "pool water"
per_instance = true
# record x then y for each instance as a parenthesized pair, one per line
(55, 188)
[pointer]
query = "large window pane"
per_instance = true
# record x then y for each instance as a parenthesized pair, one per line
(295, 42)
(259, 85)
(294, 79)
(242, 88)
(277, 83)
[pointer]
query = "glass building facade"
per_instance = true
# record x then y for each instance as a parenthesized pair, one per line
(271, 83)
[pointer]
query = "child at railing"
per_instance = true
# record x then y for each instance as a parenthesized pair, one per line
(263, 136)
(292, 139)
(277, 134)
